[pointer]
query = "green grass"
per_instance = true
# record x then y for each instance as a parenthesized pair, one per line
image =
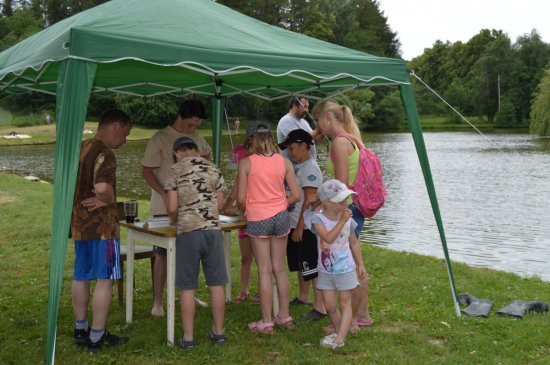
(442, 123)
(409, 298)
(42, 134)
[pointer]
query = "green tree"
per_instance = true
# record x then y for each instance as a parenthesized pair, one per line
(389, 112)
(506, 116)
(532, 55)
(540, 111)
(7, 8)
(20, 25)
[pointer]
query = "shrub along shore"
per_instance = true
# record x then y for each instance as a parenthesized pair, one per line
(410, 302)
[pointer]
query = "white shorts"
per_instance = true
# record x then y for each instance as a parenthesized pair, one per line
(346, 281)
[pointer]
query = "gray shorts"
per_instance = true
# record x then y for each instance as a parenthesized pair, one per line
(347, 281)
(276, 226)
(194, 248)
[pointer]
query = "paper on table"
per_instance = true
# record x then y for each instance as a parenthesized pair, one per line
(154, 222)
(228, 219)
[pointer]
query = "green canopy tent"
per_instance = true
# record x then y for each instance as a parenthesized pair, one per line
(147, 48)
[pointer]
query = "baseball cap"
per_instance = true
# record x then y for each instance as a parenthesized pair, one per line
(182, 141)
(296, 136)
(335, 191)
(238, 152)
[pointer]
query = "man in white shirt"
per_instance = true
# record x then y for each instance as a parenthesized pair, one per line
(298, 108)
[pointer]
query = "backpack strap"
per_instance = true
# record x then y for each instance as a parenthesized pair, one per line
(354, 141)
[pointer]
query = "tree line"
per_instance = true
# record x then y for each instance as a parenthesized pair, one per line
(488, 76)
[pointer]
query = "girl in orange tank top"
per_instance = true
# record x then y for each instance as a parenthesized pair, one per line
(261, 197)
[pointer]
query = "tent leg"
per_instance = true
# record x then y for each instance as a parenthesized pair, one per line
(73, 92)
(407, 98)
(218, 104)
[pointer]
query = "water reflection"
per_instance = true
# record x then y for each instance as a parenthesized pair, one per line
(495, 206)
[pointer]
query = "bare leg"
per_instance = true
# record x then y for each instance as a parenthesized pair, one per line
(318, 303)
(218, 308)
(360, 301)
(187, 307)
(278, 254)
(101, 302)
(159, 281)
(345, 319)
(80, 294)
(329, 297)
(246, 262)
(262, 255)
(303, 286)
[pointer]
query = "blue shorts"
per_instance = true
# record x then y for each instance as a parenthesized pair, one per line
(97, 259)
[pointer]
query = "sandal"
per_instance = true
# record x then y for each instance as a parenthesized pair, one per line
(256, 299)
(260, 326)
(241, 297)
(286, 322)
(366, 323)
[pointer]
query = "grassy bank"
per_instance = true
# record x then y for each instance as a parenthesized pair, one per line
(42, 134)
(409, 296)
(442, 123)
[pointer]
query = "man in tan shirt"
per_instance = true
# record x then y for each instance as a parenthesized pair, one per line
(155, 168)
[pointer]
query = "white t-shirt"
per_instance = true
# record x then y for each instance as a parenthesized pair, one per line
(159, 156)
(308, 175)
(337, 257)
(287, 124)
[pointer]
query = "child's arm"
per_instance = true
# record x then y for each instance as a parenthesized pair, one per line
(330, 236)
(310, 196)
(220, 200)
(356, 251)
(242, 178)
(232, 197)
(172, 205)
(290, 178)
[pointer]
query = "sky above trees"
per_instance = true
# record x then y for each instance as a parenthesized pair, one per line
(420, 23)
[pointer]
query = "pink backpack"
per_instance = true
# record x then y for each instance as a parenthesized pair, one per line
(369, 185)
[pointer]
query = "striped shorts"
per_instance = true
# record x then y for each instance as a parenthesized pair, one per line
(97, 259)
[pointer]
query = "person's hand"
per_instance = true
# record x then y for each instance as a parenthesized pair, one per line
(297, 234)
(346, 215)
(361, 272)
(93, 203)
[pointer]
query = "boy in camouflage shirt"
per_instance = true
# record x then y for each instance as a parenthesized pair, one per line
(194, 190)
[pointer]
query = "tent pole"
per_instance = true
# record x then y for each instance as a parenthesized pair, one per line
(73, 92)
(218, 103)
(407, 97)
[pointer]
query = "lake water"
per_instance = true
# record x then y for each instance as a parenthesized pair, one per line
(495, 202)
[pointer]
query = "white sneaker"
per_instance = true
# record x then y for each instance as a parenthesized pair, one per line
(330, 344)
(328, 339)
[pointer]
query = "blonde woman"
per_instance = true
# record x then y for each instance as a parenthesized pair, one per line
(337, 121)
(261, 196)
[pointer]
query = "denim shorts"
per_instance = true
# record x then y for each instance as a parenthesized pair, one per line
(276, 226)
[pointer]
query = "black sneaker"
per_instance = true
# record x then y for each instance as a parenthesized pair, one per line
(296, 301)
(80, 336)
(217, 339)
(107, 339)
(186, 345)
(314, 315)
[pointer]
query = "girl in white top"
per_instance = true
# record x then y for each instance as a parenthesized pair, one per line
(340, 263)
